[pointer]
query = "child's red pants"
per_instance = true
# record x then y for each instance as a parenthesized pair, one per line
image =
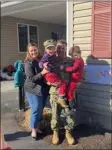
(55, 80)
(71, 90)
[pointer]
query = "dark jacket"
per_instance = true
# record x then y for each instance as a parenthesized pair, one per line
(51, 59)
(34, 81)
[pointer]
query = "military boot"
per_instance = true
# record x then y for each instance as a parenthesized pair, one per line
(55, 138)
(69, 137)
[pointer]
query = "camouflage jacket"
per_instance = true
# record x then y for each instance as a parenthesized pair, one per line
(67, 61)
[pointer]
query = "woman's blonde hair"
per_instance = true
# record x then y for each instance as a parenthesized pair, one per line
(28, 57)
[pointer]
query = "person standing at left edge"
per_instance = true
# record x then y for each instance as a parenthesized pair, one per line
(35, 87)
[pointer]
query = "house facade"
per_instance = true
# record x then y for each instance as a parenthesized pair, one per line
(12, 47)
(25, 21)
(90, 27)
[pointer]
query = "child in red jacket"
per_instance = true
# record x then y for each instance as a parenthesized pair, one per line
(76, 71)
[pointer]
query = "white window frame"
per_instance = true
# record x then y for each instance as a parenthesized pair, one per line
(69, 25)
(28, 35)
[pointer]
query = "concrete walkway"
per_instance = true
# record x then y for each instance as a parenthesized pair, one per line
(16, 138)
(88, 138)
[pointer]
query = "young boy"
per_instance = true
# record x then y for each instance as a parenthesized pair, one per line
(76, 71)
(48, 62)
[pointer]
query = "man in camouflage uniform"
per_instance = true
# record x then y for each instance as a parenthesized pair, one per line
(56, 108)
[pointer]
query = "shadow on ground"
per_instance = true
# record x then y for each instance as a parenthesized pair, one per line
(79, 132)
(86, 131)
(16, 136)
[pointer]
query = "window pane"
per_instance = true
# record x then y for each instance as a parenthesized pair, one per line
(33, 34)
(23, 37)
(54, 36)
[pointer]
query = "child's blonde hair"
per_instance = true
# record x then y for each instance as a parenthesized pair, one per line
(74, 49)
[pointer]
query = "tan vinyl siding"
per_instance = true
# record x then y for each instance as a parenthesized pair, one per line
(82, 6)
(83, 13)
(85, 53)
(94, 100)
(85, 47)
(82, 18)
(79, 20)
(81, 34)
(9, 38)
(82, 40)
(82, 26)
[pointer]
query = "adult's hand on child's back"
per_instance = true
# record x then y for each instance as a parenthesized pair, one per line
(44, 71)
(48, 83)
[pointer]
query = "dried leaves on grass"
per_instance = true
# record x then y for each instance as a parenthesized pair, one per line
(24, 121)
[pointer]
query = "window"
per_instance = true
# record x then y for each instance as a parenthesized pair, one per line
(57, 35)
(102, 29)
(54, 36)
(26, 34)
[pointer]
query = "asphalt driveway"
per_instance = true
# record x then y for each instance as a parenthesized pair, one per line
(17, 138)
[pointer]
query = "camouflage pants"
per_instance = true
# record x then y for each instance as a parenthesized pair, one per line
(56, 111)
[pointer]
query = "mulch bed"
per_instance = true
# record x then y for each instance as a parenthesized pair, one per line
(24, 119)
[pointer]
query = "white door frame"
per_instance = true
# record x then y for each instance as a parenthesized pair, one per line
(69, 25)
